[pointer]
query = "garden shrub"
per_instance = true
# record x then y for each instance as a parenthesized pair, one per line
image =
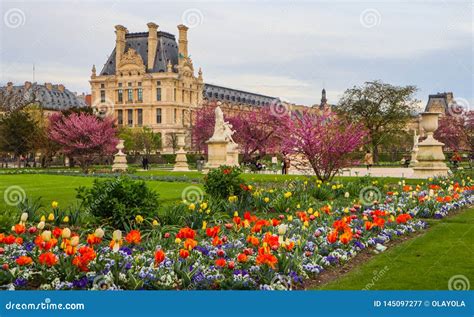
(119, 200)
(223, 182)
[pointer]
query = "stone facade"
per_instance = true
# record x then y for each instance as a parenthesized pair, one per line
(149, 80)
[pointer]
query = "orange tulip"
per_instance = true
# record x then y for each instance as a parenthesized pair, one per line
(48, 259)
(183, 253)
(24, 260)
(134, 237)
(19, 228)
(159, 257)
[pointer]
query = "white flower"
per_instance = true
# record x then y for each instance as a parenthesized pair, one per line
(41, 225)
(24, 217)
(99, 233)
(282, 229)
(346, 195)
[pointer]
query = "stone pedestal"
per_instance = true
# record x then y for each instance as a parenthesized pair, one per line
(181, 164)
(430, 156)
(232, 155)
(120, 159)
(216, 153)
(414, 155)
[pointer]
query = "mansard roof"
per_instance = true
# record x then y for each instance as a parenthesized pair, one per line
(48, 96)
(219, 93)
(167, 49)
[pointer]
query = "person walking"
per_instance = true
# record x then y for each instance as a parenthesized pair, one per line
(368, 159)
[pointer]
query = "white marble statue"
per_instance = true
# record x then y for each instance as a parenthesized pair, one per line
(222, 130)
(415, 140)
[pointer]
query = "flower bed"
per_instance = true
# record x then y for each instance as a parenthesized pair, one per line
(287, 237)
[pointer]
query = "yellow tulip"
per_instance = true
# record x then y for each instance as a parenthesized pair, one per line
(51, 217)
(203, 206)
(66, 233)
(54, 204)
(192, 206)
(310, 210)
(266, 199)
(46, 235)
(66, 219)
(236, 214)
(155, 222)
(40, 225)
(74, 241)
(290, 218)
(288, 194)
(177, 240)
(139, 219)
(43, 218)
(204, 225)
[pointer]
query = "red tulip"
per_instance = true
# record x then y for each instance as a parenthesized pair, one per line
(32, 230)
(220, 253)
(167, 235)
(231, 265)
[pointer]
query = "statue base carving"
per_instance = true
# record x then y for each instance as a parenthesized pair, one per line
(232, 155)
(216, 154)
(430, 159)
(181, 164)
(120, 159)
(120, 163)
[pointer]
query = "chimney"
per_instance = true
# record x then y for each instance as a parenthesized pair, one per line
(27, 85)
(9, 86)
(152, 43)
(120, 32)
(183, 42)
(48, 86)
(61, 87)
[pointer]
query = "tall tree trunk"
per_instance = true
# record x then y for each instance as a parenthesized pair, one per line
(375, 153)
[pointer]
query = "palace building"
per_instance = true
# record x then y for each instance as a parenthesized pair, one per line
(150, 80)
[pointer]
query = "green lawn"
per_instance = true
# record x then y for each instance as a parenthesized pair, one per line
(62, 188)
(426, 262)
(254, 177)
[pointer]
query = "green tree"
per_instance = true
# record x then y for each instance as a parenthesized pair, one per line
(384, 109)
(140, 139)
(17, 132)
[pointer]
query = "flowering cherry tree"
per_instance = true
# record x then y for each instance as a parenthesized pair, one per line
(452, 131)
(325, 141)
(258, 131)
(203, 126)
(83, 136)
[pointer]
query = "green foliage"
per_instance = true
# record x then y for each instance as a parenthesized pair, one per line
(119, 200)
(223, 182)
(8, 217)
(17, 130)
(30, 206)
(384, 110)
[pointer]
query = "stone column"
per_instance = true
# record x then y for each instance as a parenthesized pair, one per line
(181, 163)
(430, 157)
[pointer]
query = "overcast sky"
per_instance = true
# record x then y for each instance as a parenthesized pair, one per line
(288, 49)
